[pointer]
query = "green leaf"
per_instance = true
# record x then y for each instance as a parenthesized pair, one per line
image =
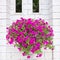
(45, 31)
(26, 34)
(27, 41)
(50, 46)
(28, 48)
(41, 45)
(23, 28)
(17, 45)
(38, 51)
(25, 50)
(49, 38)
(40, 40)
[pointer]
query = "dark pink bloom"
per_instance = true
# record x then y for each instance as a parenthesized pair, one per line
(45, 42)
(18, 21)
(24, 45)
(14, 30)
(51, 42)
(36, 47)
(47, 23)
(21, 33)
(19, 40)
(26, 38)
(19, 49)
(28, 56)
(37, 56)
(23, 18)
(40, 55)
(45, 48)
(11, 40)
(32, 40)
(40, 28)
(23, 53)
(52, 48)
(7, 36)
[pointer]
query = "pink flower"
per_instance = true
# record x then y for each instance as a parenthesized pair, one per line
(38, 44)
(52, 48)
(32, 41)
(51, 42)
(23, 18)
(23, 53)
(14, 30)
(51, 34)
(45, 42)
(13, 24)
(19, 26)
(11, 40)
(24, 45)
(40, 28)
(18, 21)
(26, 38)
(19, 40)
(19, 49)
(42, 34)
(36, 47)
(47, 23)
(21, 33)
(39, 55)
(28, 56)
(30, 35)
(29, 21)
(7, 36)
(45, 48)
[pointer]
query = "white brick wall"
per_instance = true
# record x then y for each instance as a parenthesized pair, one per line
(45, 13)
(56, 26)
(2, 29)
(49, 10)
(45, 10)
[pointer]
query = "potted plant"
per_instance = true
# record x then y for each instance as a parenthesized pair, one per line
(30, 36)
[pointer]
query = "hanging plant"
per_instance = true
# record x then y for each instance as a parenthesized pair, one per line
(30, 36)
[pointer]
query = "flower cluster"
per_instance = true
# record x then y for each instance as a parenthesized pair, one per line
(30, 36)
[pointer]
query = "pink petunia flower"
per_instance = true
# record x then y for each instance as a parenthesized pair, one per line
(32, 40)
(19, 49)
(11, 40)
(19, 39)
(23, 53)
(45, 42)
(28, 56)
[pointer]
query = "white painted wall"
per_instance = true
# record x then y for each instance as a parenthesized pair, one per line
(45, 10)
(45, 13)
(2, 29)
(56, 26)
(49, 10)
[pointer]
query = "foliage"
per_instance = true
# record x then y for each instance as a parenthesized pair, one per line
(30, 35)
